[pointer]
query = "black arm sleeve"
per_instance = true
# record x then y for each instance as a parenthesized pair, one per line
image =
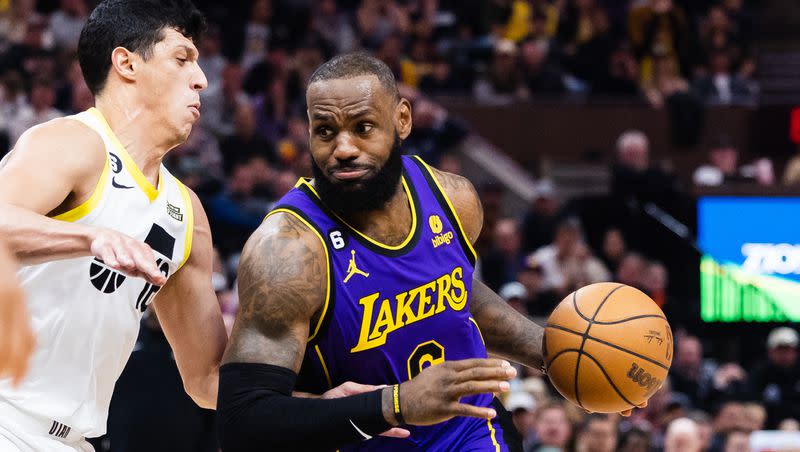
(256, 412)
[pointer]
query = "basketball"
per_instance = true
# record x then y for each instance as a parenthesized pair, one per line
(607, 347)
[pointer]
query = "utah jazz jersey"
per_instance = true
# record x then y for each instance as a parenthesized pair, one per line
(85, 315)
(392, 311)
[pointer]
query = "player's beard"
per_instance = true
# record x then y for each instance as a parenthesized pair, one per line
(367, 194)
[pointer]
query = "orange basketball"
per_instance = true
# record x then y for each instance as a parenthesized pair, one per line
(607, 347)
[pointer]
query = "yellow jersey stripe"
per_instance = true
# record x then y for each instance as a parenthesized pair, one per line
(87, 206)
(450, 205)
(479, 329)
(324, 367)
(366, 237)
(317, 327)
(187, 202)
(493, 433)
(136, 173)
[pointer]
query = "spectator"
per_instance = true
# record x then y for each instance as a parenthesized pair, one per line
(755, 415)
(66, 24)
(665, 84)
(654, 283)
(515, 295)
(222, 102)
(614, 249)
(435, 131)
(632, 176)
(541, 301)
(658, 28)
(598, 433)
(553, 429)
(504, 82)
(635, 440)
(505, 259)
(682, 436)
(789, 425)
(791, 174)
(211, 60)
(691, 374)
(333, 26)
(378, 19)
(257, 32)
(539, 223)
(722, 86)
(40, 109)
(553, 257)
(621, 76)
(245, 143)
(704, 428)
(541, 75)
(522, 407)
(724, 168)
(775, 380)
(631, 270)
(737, 441)
(440, 80)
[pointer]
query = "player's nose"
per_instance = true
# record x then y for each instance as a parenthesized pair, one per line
(200, 82)
(345, 147)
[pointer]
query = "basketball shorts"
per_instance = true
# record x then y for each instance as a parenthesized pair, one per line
(21, 432)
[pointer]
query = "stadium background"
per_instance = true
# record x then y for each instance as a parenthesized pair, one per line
(591, 129)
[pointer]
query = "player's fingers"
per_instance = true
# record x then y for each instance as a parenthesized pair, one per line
(642, 405)
(396, 433)
(465, 364)
(487, 373)
(479, 387)
(352, 388)
(106, 254)
(462, 409)
(146, 264)
(626, 413)
(125, 259)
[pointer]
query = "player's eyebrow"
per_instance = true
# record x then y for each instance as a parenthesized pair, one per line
(191, 52)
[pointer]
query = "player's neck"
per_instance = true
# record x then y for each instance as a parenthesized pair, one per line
(137, 131)
(390, 225)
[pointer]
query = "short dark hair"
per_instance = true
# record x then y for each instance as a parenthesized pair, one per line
(136, 25)
(350, 65)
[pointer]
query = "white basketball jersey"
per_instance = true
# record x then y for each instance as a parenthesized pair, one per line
(86, 315)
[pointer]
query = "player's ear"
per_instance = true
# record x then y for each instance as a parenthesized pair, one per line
(122, 62)
(403, 118)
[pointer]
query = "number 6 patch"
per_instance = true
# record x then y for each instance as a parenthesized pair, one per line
(337, 239)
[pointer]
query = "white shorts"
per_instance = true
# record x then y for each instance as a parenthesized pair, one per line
(19, 432)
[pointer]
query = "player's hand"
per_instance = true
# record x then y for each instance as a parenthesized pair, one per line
(627, 413)
(433, 395)
(126, 254)
(349, 388)
(16, 338)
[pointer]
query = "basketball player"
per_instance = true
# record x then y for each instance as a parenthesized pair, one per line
(100, 226)
(16, 338)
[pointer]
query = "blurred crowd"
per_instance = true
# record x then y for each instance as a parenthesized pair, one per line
(251, 146)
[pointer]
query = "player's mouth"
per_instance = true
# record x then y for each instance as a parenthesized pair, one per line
(195, 108)
(349, 174)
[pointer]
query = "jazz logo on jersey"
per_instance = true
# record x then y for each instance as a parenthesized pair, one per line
(352, 268)
(436, 227)
(409, 307)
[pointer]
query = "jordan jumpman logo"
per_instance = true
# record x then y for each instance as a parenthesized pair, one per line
(352, 269)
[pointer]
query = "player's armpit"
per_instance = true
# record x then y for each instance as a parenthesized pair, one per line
(507, 333)
(187, 305)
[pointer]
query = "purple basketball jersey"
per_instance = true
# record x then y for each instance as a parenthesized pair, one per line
(395, 310)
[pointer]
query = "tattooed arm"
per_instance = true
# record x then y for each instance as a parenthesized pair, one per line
(282, 282)
(507, 333)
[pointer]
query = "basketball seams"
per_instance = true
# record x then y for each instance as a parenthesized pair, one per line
(586, 335)
(608, 378)
(609, 344)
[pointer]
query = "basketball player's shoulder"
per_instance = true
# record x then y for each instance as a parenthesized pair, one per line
(283, 265)
(466, 203)
(65, 143)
